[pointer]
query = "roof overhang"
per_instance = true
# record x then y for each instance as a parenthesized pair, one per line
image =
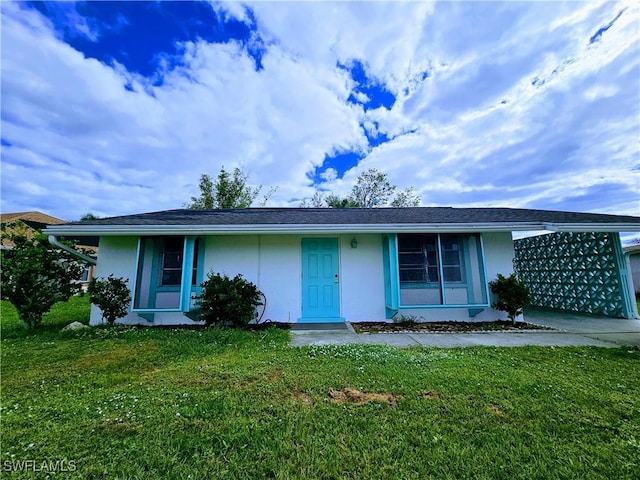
(271, 229)
(632, 249)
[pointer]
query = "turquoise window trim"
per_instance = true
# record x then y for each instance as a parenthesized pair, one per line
(197, 289)
(443, 296)
(138, 272)
(200, 271)
(167, 288)
(483, 273)
(466, 259)
(394, 279)
(627, 306)
(461, 305)
(134, 284)
(187, 273)
(391, 274)
(185, 288)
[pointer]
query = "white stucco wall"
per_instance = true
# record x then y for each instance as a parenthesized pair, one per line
(117, 256)
(274, 264)
(362, 278)
(499, 255)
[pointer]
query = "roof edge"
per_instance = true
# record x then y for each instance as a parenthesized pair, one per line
(136, 230)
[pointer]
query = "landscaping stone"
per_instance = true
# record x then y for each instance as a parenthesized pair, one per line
(75, 326)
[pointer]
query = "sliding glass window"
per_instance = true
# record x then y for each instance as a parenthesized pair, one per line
(441, 269)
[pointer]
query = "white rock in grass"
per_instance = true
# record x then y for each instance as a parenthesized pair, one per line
(75, 326)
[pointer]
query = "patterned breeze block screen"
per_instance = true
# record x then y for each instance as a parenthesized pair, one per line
(574, 271)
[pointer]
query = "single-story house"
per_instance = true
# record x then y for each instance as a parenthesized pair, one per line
(323, 265)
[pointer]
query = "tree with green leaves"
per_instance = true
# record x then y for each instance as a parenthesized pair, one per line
(229, 190)
(406, 198)
(35, 276)
(334, 201)
(372, 189)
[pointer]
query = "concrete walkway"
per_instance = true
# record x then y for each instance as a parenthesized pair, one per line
(570, 330)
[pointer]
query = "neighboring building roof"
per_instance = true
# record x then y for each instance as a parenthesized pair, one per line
(634, 249)
(28, 223)
(352, 220)
(37, 217)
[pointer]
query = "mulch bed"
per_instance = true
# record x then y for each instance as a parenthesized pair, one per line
(422, 327)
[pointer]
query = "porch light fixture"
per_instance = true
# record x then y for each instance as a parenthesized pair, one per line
(354, 243)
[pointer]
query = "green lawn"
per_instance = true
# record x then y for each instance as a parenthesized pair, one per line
(142, 403)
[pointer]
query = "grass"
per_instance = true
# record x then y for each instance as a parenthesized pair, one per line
(63, 313)
(143, 403)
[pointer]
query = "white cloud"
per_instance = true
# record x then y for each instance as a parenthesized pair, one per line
(479, 130)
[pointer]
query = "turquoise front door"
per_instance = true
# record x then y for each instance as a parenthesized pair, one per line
(320, 280)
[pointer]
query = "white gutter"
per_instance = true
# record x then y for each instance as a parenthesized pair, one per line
(53, 240)
(138, 230)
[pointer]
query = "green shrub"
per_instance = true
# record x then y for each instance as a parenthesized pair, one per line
(512, 295)
(111, 295)
(404, 320)
(35, 276)
(227, 300)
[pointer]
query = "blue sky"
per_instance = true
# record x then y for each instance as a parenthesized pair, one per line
(118, 107)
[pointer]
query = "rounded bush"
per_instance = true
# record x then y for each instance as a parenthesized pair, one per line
(225, 300)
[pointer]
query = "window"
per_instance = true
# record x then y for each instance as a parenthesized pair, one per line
(195, 277)
(420, 256)
(452, 267)
(162, 265)
(171, 261)
(429, 270)
(85, 275)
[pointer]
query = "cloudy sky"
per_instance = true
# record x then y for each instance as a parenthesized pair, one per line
(118, 107)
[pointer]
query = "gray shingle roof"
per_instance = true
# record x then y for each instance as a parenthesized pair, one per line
(360, 216)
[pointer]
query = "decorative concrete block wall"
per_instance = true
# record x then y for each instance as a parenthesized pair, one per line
(577, 271)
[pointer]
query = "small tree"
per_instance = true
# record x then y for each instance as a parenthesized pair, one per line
(111, 295)
(35, 276)
(406, 198)
(225, 299)
(334, 201)
(372, 189)
(88, 217)
(512, 295)
(227, 191)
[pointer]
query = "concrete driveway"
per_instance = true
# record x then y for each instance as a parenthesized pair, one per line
(569, 330)
(621, 331)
